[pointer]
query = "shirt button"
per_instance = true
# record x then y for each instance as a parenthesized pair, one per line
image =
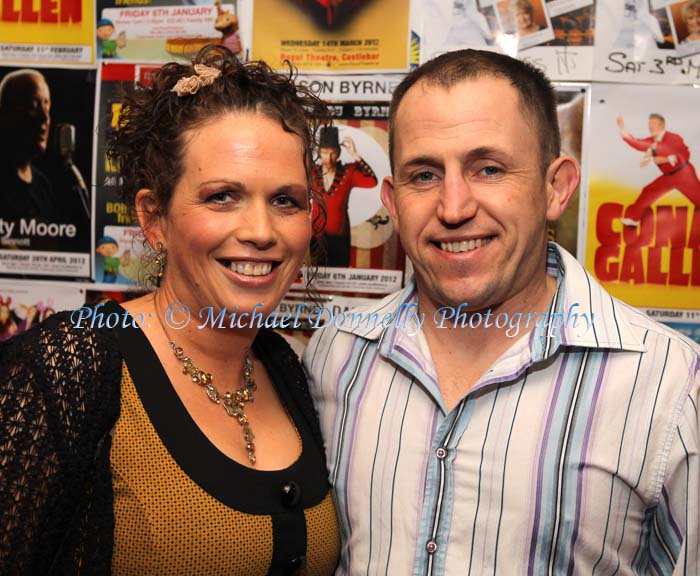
(291, 494)
(431, 546)
(441, 453)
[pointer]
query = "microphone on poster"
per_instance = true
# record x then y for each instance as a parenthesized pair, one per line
(66, 148)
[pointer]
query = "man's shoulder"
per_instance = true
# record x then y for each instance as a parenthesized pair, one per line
(672, 136)
(646, 326)
(617, 325)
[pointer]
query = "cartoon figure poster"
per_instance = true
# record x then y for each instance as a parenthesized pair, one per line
(643, 208)
(343, 35)
(46, 118)
(165, 30)
(53, 33)
(118, 250)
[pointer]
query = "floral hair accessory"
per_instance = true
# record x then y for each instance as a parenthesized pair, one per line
(204, 76)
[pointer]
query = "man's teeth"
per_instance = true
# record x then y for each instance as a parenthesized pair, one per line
(464, 246)
(251, 268)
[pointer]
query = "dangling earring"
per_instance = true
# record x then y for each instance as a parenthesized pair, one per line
(161, 258)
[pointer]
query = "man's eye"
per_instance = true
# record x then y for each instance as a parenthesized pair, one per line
(491, 171)
(424, 176)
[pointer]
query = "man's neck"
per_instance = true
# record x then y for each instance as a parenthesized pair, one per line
(464, 349)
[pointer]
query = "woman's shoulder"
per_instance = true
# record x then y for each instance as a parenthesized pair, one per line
(61, 357)
(65, 332)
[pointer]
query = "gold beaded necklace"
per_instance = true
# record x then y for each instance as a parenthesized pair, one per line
(234, 403)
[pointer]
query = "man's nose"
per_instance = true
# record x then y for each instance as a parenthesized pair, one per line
(457, 201)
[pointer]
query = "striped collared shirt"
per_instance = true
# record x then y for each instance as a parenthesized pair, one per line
(575, 453)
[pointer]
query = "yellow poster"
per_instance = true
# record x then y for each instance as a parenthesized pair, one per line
(318, 35)
(643, 211)
(52, 32)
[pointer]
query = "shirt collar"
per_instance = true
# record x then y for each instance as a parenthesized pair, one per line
(582, 314)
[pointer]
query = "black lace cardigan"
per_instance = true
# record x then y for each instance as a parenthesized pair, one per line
(59, 400)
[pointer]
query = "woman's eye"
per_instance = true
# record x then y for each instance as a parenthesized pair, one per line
(286, 201)
(220, 198)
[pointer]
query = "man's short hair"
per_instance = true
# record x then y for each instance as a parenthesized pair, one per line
(693, 5)
(538, 100)
(7, 95)
(656, 116)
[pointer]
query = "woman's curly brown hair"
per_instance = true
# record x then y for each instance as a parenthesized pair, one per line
(148, 145)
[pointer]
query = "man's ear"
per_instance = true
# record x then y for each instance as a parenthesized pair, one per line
(562, 179)
(389, 200)
(150, 218)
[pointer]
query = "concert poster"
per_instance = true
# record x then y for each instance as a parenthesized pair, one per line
(47, 33)
(46, 119)
(559, 44)
(344, 35)
(355, 245)
(644, 42)
(643, 204)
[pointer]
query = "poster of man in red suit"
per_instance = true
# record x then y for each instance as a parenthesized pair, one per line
(669, 152)
(333, 181)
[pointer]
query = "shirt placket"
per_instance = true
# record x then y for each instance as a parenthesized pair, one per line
(437, 505)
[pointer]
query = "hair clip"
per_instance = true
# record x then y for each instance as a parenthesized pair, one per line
(204, 76)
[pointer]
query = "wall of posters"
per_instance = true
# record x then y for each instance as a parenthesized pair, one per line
(46, 121)
(61, 218)
(643, 209)
(59, 32)
(165, 30)
(328, 36)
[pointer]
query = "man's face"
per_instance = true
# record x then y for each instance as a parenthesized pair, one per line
(656, 126)
(29, 113)
(104, 32)
(329, 156)
(469, 198)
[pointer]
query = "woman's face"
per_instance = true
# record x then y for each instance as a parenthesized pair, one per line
(237, 226)
(523, 20)
(693, 23)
